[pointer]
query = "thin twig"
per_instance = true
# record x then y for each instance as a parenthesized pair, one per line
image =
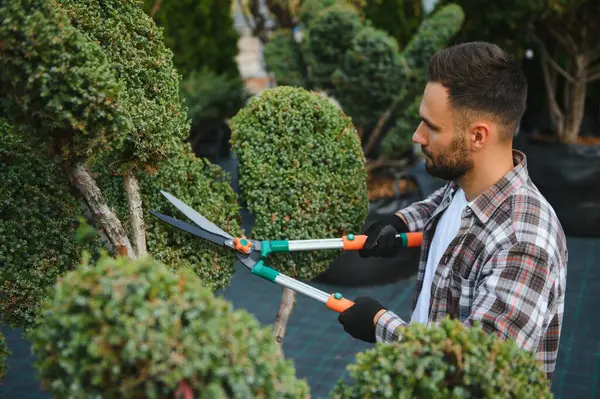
(378, 128)
(155, 8)
(551, 61)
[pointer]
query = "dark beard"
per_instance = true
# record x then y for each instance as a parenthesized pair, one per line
(452, 164)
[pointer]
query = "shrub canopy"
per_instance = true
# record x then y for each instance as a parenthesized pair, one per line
(448, 360)
(130, 329)
(302, 173)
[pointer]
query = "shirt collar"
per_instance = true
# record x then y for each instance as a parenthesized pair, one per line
(487, 202)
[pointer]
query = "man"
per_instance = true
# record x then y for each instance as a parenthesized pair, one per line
(493, 249)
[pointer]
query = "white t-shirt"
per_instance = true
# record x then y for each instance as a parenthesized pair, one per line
(445, 232)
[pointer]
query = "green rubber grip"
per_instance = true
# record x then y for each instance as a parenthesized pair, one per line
(269, 247)
(264, 271)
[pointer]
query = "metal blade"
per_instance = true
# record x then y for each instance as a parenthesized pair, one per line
(217, 239)
(248, 260)
(195, 216)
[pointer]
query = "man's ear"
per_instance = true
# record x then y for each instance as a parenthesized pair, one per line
(479, 135)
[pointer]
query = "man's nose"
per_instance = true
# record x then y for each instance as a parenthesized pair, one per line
(419, 136)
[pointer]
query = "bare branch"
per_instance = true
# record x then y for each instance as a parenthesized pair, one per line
(377, 130)
(593, 77)
(134, 200)
(565, 39)
(110, 223)
(551, 61)
(155, 8)
(288, 299)
(555, 111)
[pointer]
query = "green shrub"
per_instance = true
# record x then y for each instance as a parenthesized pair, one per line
(326, 40)
(133, 46)
(398, 140)
(200, 33)
(368, 77)
(203, 186)
(448, 360)
(284, 58)
(38, 219)
(399, 18)
(58, 80)
(435, 33)
(130, 329)
(310, 8)
(4, 354)
(302, 173)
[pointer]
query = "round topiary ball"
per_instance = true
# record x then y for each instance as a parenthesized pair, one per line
(133, 329)
(448, 360)
(301, 173)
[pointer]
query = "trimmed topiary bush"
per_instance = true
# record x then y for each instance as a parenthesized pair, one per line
(284, 58)
(302, 175)
(368, 77)
(130, 329)
(310, 8)
(203, 186)
(448, 360)
(326, 40)
(435, 32)
(38, 219)
(133, 46)
(200, 33)
(57, 80)
(93, 86)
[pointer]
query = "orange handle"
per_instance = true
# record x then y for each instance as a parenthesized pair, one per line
(338, 303)
(352, 242)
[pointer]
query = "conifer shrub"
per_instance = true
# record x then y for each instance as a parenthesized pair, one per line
(39, 215)
(326, 40)
(448, 360)
(203, 186)
(124, 328)
(302, 173)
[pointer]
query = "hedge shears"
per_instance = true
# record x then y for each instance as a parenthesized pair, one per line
(253, 253)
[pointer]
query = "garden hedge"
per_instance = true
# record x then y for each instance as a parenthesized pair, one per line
(128, 329)
(448, 360)
(302, 173)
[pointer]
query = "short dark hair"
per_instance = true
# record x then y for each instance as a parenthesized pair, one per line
(482, 78)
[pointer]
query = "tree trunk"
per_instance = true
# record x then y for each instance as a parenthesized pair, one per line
(575, 110)
(136, 214)
(111, 225)
(286, 306)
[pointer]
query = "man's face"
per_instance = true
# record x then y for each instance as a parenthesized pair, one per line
(445, 149)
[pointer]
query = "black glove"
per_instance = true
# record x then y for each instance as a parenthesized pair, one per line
(358, 318)
(381, 237)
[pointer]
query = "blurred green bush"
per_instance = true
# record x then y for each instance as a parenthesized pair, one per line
(447, 360)
(129, 329)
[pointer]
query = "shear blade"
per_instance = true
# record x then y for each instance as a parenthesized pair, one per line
(217, 239)
(195, 216)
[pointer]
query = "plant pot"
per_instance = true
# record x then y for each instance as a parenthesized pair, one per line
(568, 175)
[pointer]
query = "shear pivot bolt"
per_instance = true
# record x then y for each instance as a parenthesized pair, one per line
(337, 295)
(350, 236)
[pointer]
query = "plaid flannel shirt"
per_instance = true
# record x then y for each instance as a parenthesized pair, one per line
(506, 267)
